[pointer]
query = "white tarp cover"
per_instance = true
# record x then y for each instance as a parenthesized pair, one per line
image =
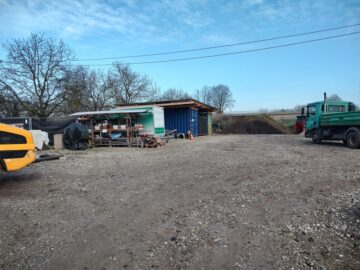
(40, 138)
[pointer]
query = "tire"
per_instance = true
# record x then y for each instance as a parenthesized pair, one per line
(2, 165)
(353, 139)
(315, 136)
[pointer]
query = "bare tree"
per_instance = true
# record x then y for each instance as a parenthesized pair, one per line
(33, 73)
(334, 98)
(97, 91)
(74, 86)
(154, 93)
(9, 106)
(203, 95)
(86, 90)
(174, 94)
(221, 97)
(127, 85)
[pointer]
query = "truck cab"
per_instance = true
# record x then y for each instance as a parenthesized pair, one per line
(315, 110)
(332, 120)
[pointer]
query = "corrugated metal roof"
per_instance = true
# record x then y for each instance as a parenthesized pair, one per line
(108, 112)
(190, 102)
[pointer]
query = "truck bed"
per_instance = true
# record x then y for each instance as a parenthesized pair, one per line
(340, 119)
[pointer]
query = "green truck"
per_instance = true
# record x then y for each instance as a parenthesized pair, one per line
(333, 120)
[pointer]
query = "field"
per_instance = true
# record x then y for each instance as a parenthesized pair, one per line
(220, 202)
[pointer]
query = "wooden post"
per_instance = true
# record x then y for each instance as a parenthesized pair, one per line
(127, 129)
(109, 129)
(92, 131)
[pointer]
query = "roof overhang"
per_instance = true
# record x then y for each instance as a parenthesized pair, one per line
(174, 104)
(108, 112)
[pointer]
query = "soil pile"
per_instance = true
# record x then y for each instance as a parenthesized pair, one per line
(258, 124)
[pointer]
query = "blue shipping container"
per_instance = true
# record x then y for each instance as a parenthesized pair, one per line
(181, 119)
(194, 122)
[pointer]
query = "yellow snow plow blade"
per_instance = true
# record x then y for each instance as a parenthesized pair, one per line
(17, 148)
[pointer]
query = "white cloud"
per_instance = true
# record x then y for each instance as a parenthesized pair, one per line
(147, 22)
(218, 39)
(253, 2)
(165, 20)
(69, 17)
(289, 12)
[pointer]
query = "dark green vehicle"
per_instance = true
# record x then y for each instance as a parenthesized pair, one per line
(333, 120)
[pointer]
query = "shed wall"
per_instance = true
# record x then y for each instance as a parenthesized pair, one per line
(210, 122)
(152, 121)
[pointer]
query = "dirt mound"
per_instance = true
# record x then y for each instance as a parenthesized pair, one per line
(259, 124)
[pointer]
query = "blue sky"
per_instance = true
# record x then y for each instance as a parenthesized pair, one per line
(273, 79)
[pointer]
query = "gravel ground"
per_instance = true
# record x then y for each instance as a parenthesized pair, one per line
(220, 202)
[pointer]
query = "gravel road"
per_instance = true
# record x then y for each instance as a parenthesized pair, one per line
(220, 202)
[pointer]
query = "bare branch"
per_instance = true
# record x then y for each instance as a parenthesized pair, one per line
(128, 86)
(33, 72)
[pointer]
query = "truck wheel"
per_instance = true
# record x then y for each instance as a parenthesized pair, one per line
(315, 136)
(353, 139)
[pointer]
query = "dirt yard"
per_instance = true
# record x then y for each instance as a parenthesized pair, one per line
(221, 202)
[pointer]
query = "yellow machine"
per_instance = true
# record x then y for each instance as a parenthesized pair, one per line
(17, 148)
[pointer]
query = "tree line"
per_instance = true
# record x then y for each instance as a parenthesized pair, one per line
(38, 78)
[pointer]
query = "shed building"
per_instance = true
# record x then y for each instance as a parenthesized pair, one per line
(123, 126)
(182, 115)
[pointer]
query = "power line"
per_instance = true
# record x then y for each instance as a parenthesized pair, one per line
(221, 54)
(220, 46)
(232, 53)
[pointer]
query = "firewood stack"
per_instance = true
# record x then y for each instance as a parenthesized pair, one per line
(152, 142)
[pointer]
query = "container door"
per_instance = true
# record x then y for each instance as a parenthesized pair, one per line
(203, 123)
(177, 118)
(194, 124)
(312, 117)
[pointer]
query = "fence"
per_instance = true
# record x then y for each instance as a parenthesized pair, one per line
(50, 125)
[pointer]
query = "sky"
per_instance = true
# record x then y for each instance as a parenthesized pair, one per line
(269, 79)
